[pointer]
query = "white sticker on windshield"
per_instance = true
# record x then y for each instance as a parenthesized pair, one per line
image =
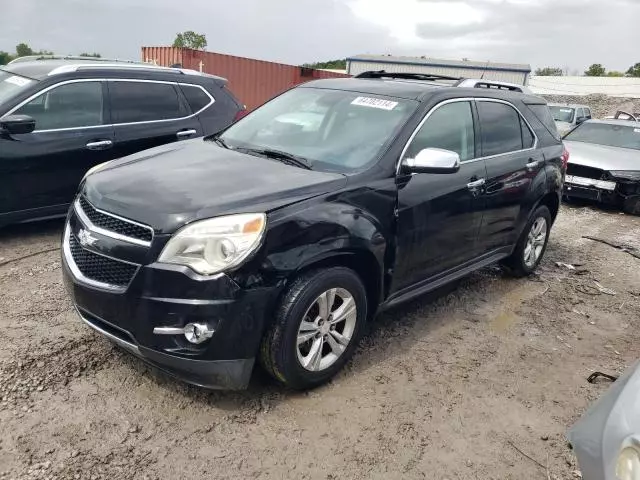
(19, 81)
(375, 103)
(566, 110)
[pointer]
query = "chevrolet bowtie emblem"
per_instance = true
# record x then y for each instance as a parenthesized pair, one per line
(86, 239)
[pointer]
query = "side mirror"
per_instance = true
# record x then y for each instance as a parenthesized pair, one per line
(580, 120)
(17, 124)
(432, 160)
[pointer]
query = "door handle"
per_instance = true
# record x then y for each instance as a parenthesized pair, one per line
(476, 184)
(186, 133)
(534, 164)
(100, 145)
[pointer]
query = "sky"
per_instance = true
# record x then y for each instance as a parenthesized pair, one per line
(569, 34)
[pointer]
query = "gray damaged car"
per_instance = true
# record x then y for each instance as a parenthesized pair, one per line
(606, 440)
(604, 163)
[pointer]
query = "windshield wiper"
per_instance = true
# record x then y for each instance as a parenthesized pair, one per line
(284, 157)
(220, 142)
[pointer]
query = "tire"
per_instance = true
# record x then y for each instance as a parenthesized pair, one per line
(295, 365)
(631, 205)
(520, 263)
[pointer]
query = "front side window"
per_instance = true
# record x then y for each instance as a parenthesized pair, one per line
(608, 134)
(133, 102)
(501, 128)
(449, 127)
(333, 130)
(72, 105)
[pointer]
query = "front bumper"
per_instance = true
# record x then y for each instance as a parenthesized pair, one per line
(591, 189)
(170, 296)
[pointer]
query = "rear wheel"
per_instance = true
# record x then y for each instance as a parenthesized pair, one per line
(532, 244)
(316, 329)
(632, 205)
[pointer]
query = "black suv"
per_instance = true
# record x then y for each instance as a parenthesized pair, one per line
(61, 117)
(281, 237)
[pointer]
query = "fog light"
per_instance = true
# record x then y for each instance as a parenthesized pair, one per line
(197, 332)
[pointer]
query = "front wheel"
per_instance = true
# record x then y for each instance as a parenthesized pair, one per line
(316, 328)
(531, 245)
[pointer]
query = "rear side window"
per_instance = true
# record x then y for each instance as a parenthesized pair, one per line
(543, 114)
(196, 97)
(72, 105)
(587, 113)
(144, 101)
(500, 126)
(450, 127)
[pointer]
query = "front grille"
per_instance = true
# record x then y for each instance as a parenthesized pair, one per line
(98, 268)
(114, 224)
(585, 172)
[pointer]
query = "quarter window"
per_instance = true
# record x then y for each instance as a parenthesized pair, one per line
(449, 127)
(72, 105)
(196, 98)
(501, 128)
(144, 101)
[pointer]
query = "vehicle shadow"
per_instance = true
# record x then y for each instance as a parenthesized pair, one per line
(43, 228)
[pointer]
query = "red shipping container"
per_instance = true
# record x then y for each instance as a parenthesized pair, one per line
(253, 82)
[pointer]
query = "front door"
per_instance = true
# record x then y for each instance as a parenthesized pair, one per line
(147, 114)
(513, 165)
(439, 215)
(40, 171)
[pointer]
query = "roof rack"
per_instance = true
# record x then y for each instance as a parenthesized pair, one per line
(631, 116)
(32, 58)
(491, 84)
(125, 66)
(405, 76)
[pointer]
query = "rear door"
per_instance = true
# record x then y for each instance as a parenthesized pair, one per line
(149, 113)
(513, 162)
(41, 170)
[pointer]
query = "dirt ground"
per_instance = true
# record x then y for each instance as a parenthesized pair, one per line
(460, 385)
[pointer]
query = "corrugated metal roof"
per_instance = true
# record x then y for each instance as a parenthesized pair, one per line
(438, 62)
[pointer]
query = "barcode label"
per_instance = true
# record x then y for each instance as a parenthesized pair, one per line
(375, 103)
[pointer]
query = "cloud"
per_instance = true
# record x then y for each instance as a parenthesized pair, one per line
(571, 33)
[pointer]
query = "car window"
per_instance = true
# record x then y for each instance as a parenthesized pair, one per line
(11, 85)
(623, 136)
(527, 137)
(144, 101)
(500, 126)
(333, 130)
(562, 114)
(196, 97)
(449, 127)
(72, 105)
(587, 113)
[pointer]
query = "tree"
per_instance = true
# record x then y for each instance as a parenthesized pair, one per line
(549, 72)
(615, 74)
(329, 65)
(5, 57)
(23, 50)
(595, 70)
(634, 71)
(190, 39)
(94, 55)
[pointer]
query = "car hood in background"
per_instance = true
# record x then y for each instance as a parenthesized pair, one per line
(597, 437)
(603, 157)
(169, 186)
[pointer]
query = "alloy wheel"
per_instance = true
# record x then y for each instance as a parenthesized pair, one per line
(326, 329)
(535, 242)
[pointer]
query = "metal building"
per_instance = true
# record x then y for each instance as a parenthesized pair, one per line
(505, 72)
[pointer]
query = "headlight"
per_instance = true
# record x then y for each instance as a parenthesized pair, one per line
(628, 464)
(215, 245)
(626, 174)
(95, 169)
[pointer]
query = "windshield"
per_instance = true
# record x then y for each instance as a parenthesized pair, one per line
(562, 114)
(332, 130)
(622, 136)
(11, 84)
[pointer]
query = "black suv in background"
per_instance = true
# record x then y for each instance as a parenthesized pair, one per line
(281, 237)
(61, 117)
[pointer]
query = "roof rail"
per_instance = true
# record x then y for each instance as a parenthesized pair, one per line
(124, 66)
(481, 83)
(405, 76)
(32, 58)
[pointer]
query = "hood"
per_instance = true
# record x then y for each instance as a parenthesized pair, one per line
(563, 127)
(603, 157)
(172, 185)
